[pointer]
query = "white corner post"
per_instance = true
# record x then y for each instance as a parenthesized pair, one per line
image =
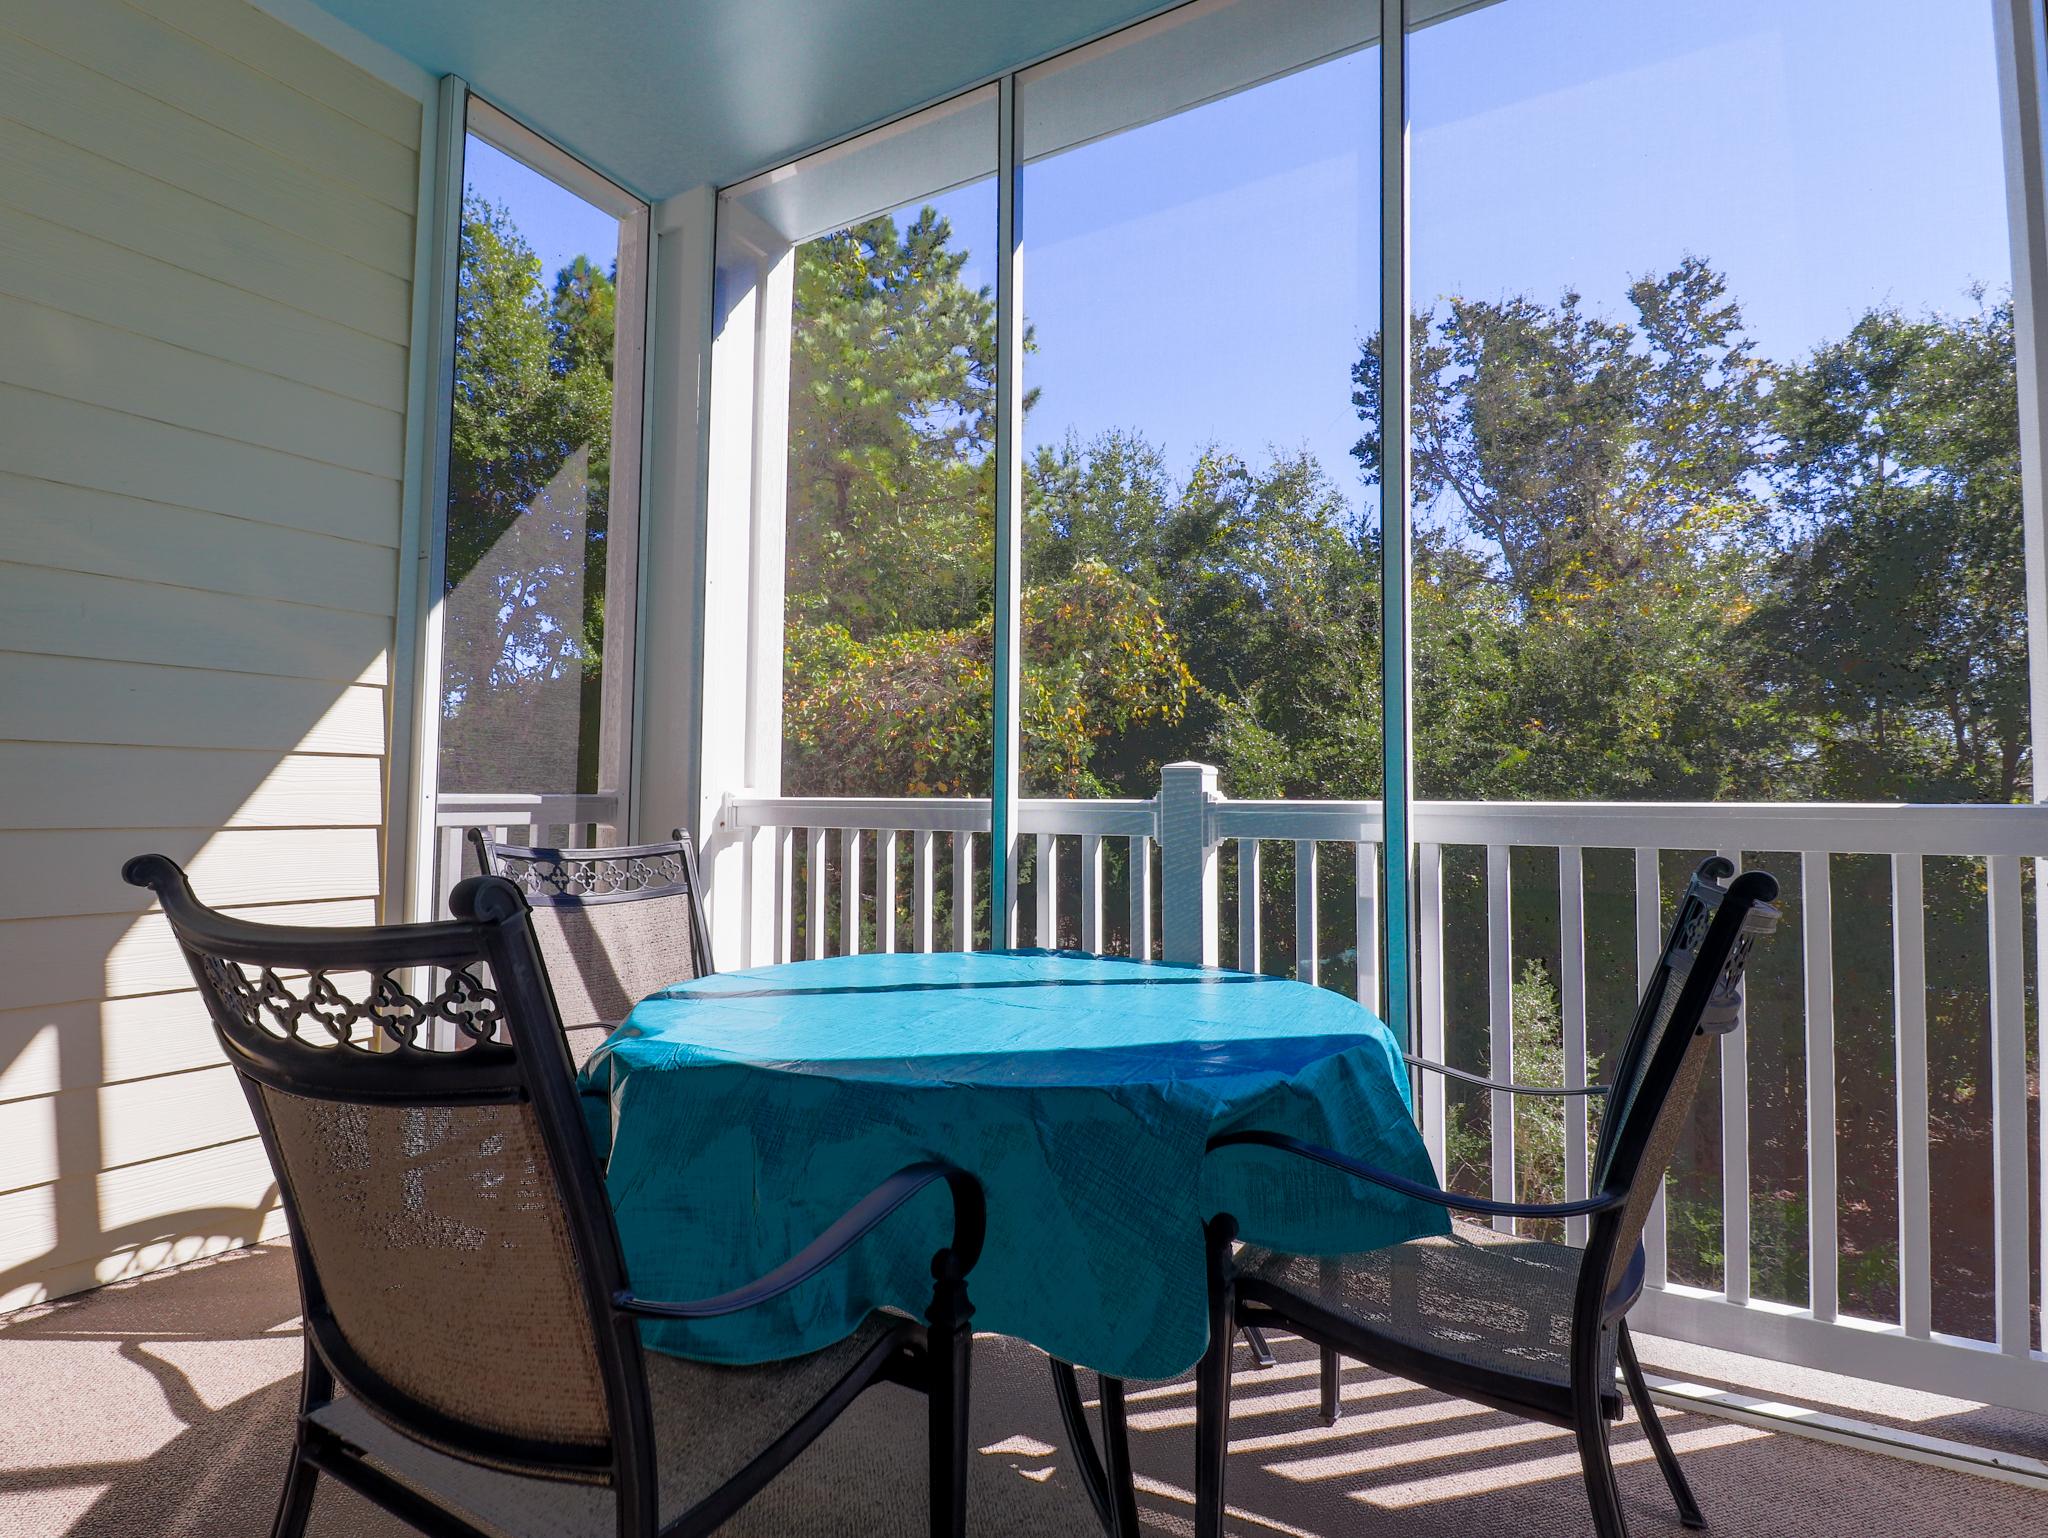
(1187, 863)
(687, 560)
(2021, 34)
(430, 391)
(736, 726)
(1004, 845)
(1397, 763)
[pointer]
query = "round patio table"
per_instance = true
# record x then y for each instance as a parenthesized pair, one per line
(744, 1111)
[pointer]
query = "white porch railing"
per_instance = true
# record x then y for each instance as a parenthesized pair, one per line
(547, 820)
(1190, 822)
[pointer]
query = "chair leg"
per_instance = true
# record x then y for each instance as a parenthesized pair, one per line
(950, 1339)
(1116, 1459)
(1597, 1463)
(295, 1501)
(1262, 1353)
(1212, 1385)
(1333, 1402)
(1653, 1428)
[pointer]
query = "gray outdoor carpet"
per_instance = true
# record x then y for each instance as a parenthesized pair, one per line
(161, 1409)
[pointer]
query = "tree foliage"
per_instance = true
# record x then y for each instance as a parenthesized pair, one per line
(529, 477)
(1891, 641)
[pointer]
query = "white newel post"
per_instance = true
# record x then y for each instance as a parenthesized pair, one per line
(1187, 861)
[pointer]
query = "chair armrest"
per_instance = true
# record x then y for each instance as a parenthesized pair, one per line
(1513, 1089)
(1415, 1188)
(970, 1224)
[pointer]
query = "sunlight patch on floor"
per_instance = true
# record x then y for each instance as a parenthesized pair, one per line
(1244, 1405)
(1509, 1476)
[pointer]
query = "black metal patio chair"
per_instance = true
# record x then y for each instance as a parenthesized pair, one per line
(460, 1275)
(1513, 1323)
(613, 925)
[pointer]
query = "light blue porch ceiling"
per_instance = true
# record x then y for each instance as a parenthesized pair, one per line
(666, 94)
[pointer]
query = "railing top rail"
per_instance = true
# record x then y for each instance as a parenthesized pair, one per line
(942, 814)
(935, 814)
(1830, 827)
(1333, 821)
(453, 809)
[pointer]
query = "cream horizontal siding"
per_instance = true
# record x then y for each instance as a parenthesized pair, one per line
(74, 528)
(64, 785)
(80, 869)
(64, 613)
(117, 955)
(206, 255)
(66, 185)
(54, 438)
(210, 83)
(145, 1036)
(83, 360)
(72, 699)
(262, 42)
(93, 112)
(147, 1216)
(87, 276)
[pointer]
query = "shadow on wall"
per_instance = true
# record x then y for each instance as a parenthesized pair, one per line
(125, 1141)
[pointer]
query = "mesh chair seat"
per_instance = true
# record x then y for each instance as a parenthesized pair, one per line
(1490, 1300)
(709, 1422)
(613, 925)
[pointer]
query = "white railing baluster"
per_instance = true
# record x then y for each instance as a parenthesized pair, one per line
(2009, 1104)
(1141, 898)
(785, 894)
(1048, 885)
(849, 891)
(1500, 1026)
(1909, 1006)
(451, 869)
(1248, 894)
(1735, 1147)
(1817, 926)
(1091, 893)
(814, 892)
(885, 890)
(1429, 941)
(921, 890)
(1571, 998)
(1366, 865)
(1306, 961)
(963, 891)
(1649, 949)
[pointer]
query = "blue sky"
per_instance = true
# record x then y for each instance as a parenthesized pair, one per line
(1209, 277)
(558, 225)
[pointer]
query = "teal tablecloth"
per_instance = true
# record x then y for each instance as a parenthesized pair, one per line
(746, 1110)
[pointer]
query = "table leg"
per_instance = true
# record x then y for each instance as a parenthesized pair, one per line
(1088, 1465)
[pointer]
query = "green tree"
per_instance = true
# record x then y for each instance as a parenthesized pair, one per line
(529, 475)
(892, 395)
(908, 712)
(1589, 507)
(1892, 643)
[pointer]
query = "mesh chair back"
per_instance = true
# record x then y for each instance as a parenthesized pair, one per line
(453, 1243)
(613, 925)
(1693, 998)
